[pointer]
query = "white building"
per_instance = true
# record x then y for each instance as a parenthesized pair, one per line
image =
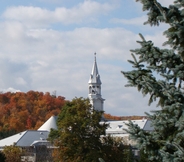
(117, 129)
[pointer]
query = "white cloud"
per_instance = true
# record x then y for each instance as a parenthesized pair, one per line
(134, 21)
(20, 81)
(12, 30)
(33, 57)
(166, 2)
(10, 89)
(36, 16)
(48, 60)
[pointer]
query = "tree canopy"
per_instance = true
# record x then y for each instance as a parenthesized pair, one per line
(166, 142)
(81, 135)
(12, 153)
(79, 131)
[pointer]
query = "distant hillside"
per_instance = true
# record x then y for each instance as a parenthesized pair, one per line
(111, 117)
(21, 111)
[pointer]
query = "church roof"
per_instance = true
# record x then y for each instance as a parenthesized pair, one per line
(50, 123)
(25, 138)
(28, 137)
(95, 77)
(116, 128)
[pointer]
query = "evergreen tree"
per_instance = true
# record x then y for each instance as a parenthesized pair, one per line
(160, 74)
(142, 157)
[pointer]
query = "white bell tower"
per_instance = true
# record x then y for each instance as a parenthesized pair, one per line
(95, 88)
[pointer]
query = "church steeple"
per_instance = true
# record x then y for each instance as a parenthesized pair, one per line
(95, 88)
(95, 77)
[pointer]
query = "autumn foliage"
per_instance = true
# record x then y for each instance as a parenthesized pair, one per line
(24, 111)
(21, 111)
(111, 117)
(12, 153)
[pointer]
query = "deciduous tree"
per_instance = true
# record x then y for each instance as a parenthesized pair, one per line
(20, 111)
(79, 132)
(12, 153)
(81, 136)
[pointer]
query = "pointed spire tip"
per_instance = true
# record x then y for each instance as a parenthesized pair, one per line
(95, 56)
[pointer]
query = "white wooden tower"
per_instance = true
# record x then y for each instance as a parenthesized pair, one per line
(94, 83)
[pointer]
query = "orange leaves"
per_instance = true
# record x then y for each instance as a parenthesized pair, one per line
(16, 124)
(29, 123)
(111, 117)
(27, 110)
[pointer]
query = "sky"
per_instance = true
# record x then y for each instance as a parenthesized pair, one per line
(49, 46)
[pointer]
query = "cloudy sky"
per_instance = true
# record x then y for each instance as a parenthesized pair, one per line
(49, 45)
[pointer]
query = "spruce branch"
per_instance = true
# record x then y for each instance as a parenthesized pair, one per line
(178, 147)
(162, 11)
(142, 37)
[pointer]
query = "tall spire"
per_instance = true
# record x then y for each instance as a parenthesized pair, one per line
(95, 77)
(95, 88)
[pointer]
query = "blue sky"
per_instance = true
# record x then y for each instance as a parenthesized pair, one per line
(49, 45)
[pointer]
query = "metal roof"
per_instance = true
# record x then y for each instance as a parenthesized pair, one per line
(117, 127)
(25, 138)
(28, 137)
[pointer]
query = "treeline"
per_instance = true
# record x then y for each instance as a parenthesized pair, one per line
(111, 117)
(22, 111)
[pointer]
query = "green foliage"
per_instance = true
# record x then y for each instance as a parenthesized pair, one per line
(81, 136)
(128, 155)
(12, 153)
(54, 134)
(142, 157)
(2, 157)
(159, 73)
(79, 132)
(101, 160)
(114, 150)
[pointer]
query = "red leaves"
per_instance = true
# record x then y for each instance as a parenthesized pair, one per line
(27, 110)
